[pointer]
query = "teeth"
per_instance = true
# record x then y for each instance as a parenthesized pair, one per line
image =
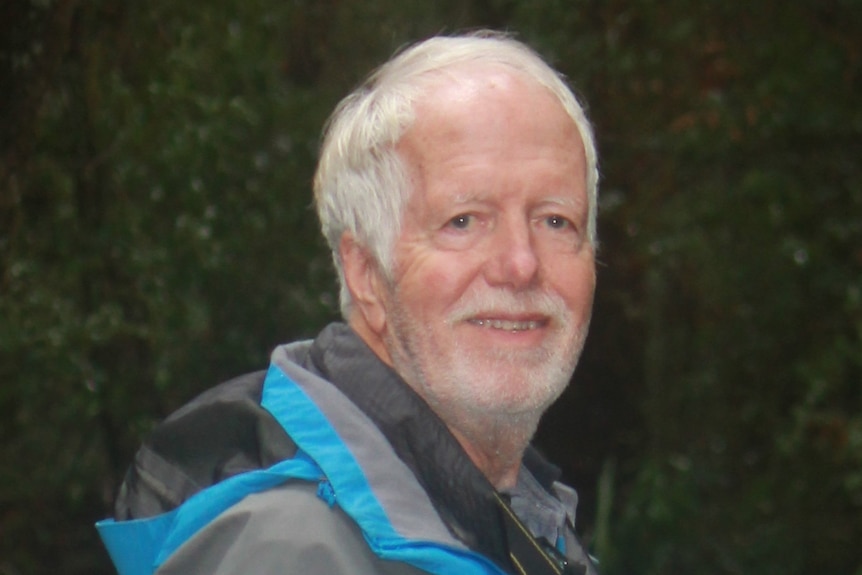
(506, 325)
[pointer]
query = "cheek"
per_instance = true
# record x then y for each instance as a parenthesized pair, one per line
(435, 283)
(576, 284)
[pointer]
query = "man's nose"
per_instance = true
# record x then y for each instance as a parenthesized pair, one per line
(513, 261)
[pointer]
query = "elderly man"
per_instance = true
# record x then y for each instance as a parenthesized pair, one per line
(457, 190)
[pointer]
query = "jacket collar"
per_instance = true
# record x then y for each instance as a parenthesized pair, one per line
(462, 496)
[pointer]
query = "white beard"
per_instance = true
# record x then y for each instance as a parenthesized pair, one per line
(486, 390)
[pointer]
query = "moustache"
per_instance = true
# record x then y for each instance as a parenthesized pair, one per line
(506, 303)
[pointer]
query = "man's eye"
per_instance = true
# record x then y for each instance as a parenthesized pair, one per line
(557, 222)
(461, 222)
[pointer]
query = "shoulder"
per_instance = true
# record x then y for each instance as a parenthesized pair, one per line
(288, 529)
(219, 434)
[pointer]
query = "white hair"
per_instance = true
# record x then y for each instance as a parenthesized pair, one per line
(361, 186)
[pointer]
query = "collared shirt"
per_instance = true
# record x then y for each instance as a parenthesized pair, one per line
(543, 514)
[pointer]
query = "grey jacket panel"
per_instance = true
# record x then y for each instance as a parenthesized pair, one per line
(221, 433)
(406, 502)
(284, 531)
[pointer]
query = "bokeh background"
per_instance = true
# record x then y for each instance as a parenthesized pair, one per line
(157, 237)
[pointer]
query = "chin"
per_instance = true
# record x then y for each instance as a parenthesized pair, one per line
(515, 400)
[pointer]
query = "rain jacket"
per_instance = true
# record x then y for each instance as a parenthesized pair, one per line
(326, 463)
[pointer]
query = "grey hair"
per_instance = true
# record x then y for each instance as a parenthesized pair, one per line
(361, 183)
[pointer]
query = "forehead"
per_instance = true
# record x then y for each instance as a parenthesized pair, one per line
(463, 90)
(478, 113)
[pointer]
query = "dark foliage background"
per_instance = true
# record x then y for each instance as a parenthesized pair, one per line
(156, 237)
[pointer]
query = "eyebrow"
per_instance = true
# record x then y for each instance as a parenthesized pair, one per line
(467, 198)
(567, 202)
(573, 203)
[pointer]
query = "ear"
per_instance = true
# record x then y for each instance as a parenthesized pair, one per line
(366, 286)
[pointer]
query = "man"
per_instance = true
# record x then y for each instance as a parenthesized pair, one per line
(457, 190)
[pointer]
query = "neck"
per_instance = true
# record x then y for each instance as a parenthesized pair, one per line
(495, 445)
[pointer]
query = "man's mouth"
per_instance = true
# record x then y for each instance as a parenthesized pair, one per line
(507, 325)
